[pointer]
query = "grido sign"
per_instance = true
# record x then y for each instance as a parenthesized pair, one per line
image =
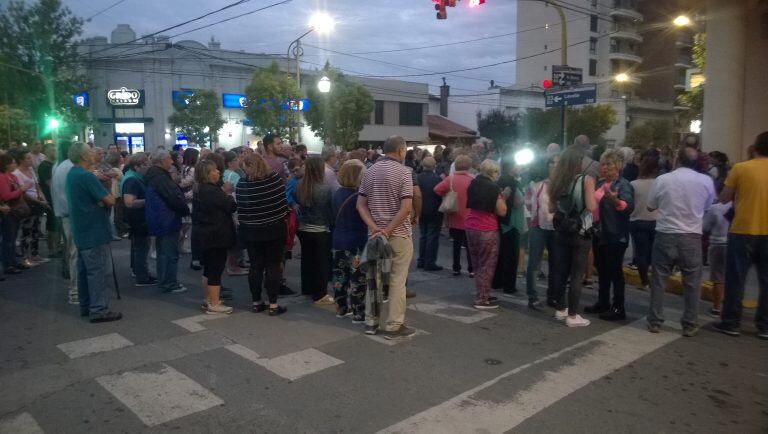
(125, 97)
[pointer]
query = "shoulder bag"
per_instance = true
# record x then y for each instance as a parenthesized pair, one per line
(449, 204)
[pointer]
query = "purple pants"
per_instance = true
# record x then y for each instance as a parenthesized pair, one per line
(484, 250)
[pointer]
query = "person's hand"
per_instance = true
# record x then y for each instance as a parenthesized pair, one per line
(27, 185)
(5, 209)
(227, 187)
(506, 192)
(611, 196)
(101, 176)
(376, 232)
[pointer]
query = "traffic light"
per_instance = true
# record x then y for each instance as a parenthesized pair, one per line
(440, 8)
(473, 3)
(546, 83)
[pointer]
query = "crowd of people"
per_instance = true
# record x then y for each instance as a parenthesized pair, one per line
(240, 211)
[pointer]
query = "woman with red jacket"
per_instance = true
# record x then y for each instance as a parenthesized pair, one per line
(10, 191)
(459, 183)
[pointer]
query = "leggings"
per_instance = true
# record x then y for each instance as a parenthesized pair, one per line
(266, 261)
(213, 265)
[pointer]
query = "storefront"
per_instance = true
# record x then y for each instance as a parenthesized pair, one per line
(128, 121)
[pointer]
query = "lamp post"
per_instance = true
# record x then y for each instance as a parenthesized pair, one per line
(53, 125)
(324, 85)
(321, 22)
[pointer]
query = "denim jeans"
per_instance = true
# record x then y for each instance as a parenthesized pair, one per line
(139, 254)
(609, 259)
(569, 253)
(167, 260)
(743, 252)
(683, 250)
(94, 278)
(10, 229)
(643, 232)
(429, 241)
(538, 240)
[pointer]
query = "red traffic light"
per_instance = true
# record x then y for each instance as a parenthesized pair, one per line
(546, 84)
(473, 3)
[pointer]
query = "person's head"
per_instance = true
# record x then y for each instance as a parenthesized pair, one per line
(462, 163)
(98, 154)
(374, 157)
(114, 159)
(553, 149)
(649, 165)
(314, 175)
(23, 158)
(206, 172)
(761, 145)
(81, 154)
(255, 167)
(272, 144)
(610, 165)
(357, 154)
(691, 140)
(217, 159)
(428, 164)
(112, 147)
(178, 158)
(394, 147)
(190, 157)
(328, 155)
(627, 155)
(568, 167)
(162, 158)
(230, 160)
(490, 169)
(301, 151)
(138, 162)
(7, 163)
(687, 156)
(49, 150)
(296, 167)
(718, 158)
(351, 173)
(410, 155)
(447, 154)
(581, 141)
(36, 148)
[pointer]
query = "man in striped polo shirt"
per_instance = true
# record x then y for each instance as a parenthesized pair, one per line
(385, 203)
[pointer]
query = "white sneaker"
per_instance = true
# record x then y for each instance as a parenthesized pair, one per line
(217, 309)
(576, 321)
(561, 315)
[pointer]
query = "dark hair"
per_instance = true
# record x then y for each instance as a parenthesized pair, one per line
(649, 164)
(5, 161)
(19, 155)
(566, 171)
(314, 175)
(217, 159)
(190, 157)
(684, 160)
(410, 154)
(229, 157)
(697, 143)
(761, 144)
(175, 156)
(300, 148)
(269, 138)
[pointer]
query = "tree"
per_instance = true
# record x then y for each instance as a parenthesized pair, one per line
(268, 99)
(199, 119)
(37, 40)
(339, 115)
(544, 126)
(657, 132)
(498, 126)
(694, 98)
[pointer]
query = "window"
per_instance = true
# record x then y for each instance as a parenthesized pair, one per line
(593, 23)
(592, 45)
(594, 3)
(378, 113)
(545, 67)
(411, 114)
(592, 67)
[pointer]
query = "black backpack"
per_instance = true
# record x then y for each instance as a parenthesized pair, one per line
(567, 218)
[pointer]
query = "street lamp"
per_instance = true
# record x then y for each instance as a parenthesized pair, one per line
(53, 123)
(622, 77)
(681, 21)
(324, 85)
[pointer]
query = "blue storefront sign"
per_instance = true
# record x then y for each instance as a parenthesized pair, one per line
(239, 100)
(80, 99)
(180, 98)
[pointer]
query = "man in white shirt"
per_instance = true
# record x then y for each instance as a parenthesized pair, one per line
(681, 198)
(331, 159)
(61, 210)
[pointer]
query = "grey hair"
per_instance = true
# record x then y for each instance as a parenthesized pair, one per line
(159, 155)
(428, 163)
(76, 152)
(581, 141)
(627, 153)
(393, 144)
(327, 153)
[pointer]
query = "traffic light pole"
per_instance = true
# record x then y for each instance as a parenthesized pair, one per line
(564, 62)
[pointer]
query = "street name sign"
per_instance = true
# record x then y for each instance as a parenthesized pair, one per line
(575, 96)
(566, 76)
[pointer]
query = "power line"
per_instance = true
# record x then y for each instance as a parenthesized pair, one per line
(88, 20)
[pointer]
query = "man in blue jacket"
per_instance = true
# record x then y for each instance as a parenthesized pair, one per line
(431, 218)
(164, 207)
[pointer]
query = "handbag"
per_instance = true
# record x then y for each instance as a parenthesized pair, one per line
(19, 208)
(449, 204)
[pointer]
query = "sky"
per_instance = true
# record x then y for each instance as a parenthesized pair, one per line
(362, 26)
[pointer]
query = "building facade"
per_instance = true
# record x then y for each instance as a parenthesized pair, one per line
(135, 83)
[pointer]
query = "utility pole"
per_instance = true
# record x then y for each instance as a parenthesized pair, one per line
(564, 62)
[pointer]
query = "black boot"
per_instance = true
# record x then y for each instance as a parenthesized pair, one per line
(597, 308)
(616, 313)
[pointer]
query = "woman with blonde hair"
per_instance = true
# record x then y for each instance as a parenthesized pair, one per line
(213, 230)
(261, 213)
(349, 237)
(458, 183)
(486, 205)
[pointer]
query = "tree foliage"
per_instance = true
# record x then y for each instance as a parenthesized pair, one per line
(268, 97)
(339, 115)
(38, 40)
(200, 119)
(544, 126)
(694, 98)
(497, 125)
(654, 133)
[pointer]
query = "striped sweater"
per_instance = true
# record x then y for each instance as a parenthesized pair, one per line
(261, 203)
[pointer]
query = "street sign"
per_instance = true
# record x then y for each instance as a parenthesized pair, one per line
(566, 76)
(576, 96)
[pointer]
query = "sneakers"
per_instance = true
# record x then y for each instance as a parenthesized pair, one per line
(763, 334)
(690, 331)
(178, 289)
(371, 330)
(343, 313)
(195, 265)
(72, 296)
(561, 315)
(714, 313)
(485, 306)
(327, 300)
(358, 320)
(237, 271)
(148, 282)
(654, 328)
(279, 310)
(725, 329)
(535, 305)
(402, 332)
(107, 317)
(576, 321)
(217, 309)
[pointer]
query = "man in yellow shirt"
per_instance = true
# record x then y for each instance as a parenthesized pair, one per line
(747, 187)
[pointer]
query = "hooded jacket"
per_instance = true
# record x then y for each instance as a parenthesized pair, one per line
(165, 205)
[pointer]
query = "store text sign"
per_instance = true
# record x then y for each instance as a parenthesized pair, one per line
(125, 97)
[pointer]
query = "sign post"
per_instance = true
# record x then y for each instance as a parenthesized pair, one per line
(564, 76)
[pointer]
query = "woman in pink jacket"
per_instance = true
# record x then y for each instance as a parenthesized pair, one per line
(456, 222)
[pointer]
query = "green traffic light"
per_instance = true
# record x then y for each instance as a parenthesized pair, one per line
(53, 123)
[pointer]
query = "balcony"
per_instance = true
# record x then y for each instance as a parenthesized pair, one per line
(626, 32)
(684, 41)
(684, 62)
(626, 54)
(679, 86)
(625, 9)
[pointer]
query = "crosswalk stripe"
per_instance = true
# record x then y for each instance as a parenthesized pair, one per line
(22, 423)
(98, 344)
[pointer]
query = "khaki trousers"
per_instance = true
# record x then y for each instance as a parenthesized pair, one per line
(393, 312)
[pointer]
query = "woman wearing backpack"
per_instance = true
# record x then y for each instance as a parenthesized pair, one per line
(572, 200)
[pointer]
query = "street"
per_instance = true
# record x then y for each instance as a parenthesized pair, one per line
(167, 367)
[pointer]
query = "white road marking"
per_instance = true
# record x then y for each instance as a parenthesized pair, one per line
(23, 423)
(193, 323)
(98, 344)
(469, 413)
(455, 312)
(290, 366)
(159, 397)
